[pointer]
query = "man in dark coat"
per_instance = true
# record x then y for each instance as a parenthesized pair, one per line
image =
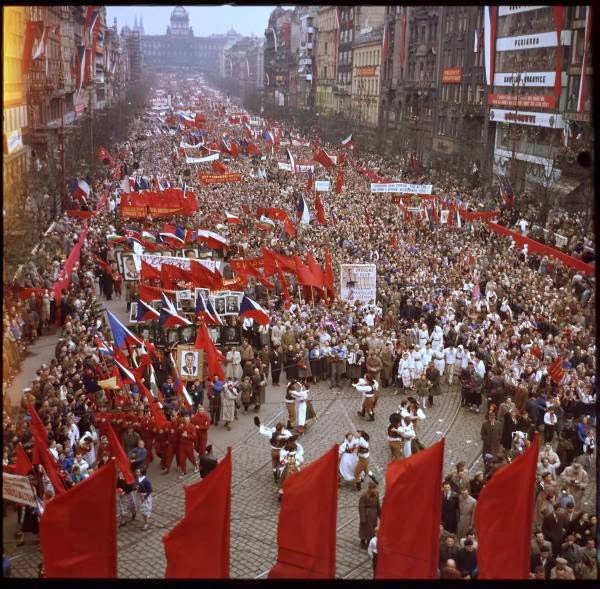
(491, 434)
(554, 530)
(449, 509)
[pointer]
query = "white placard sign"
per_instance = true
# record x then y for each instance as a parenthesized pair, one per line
(358, 282)
(322, 185)
(18, 489)
(529, 79)
(537, 119)
(401, 188)
(183, 263)
(200, 160)
(506, 10)
(532, 41)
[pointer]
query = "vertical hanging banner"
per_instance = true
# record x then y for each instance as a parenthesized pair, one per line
(558, 17)
(489, 41)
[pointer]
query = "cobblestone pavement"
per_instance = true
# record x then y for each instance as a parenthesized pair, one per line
(255, 508)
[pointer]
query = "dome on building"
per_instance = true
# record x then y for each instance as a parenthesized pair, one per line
(180, 22)
(180, 13)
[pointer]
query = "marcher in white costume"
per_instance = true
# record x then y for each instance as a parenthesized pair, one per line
(437, 338)
(404, 371)
(450, 356)
(439, 361)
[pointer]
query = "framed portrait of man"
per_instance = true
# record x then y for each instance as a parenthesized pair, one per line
(184, 300)
(156, 305)
(119, 258)
(165, 253)
(232, 304)
(204, 292)
(171, 336)
(189, 362)
(220, 304)
(145, 331)
(215, 334)
(187, 334)
(131, 269)
(190, 252)
(133, 312)
(230, 335)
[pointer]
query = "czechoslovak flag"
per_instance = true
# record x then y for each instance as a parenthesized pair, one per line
(169, 316)
(81, 191)
(250, 308)
(302, 211)
(145, 312)
(229, 218)
(348, 143)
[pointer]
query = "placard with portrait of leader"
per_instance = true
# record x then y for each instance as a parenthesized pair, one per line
(232, 303)
(220, 304)
(131, 267)
(189, 362)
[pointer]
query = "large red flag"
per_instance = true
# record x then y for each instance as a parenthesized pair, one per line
(304, 274)
(66, 551)
(307, 519)
(315, 269)
(339, 182)
(329, 275)
(410, 549)
(504, 516)
(120, 455)
(23, 465)
(320, 210)
(41, 454)
(214, 358)
(198, 546)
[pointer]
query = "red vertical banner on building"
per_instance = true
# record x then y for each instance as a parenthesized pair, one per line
(558, 17)
(403, 40)
(584, 63)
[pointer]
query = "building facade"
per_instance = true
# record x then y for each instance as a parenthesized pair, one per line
(282, 42)
(180, 48)
(16, 152)
(530, 63)
(409, 93)
(366, 70)
(460, 140)
(305, 97)
(326, 58)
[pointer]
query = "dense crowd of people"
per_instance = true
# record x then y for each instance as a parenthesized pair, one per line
(455, 306)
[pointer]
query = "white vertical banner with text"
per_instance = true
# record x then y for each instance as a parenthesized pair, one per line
(358, 282)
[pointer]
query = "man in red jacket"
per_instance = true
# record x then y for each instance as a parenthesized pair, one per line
(186, 445)
(202, 422)
(172, 446)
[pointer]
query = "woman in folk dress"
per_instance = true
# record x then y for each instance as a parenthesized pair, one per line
(348, 457)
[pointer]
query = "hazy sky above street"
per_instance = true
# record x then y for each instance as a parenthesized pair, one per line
(204, 20)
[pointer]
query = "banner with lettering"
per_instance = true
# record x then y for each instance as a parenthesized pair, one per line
(17, 489)
(358, 282)
(219, 178)
(183, 263)
(201, 160)
(401, 187)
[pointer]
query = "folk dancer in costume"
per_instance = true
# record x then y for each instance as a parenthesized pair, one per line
(278, 436)
(423, 335)
(291, 458)
(362, 466)
(348, 457)
(144, 495)
(304, 409)
(404, 371)
(418, 367)
(437, 338)
(411, 413)
(368, 387)
(395, 438)
(290, 403)
(451, 358)
(439, 360)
